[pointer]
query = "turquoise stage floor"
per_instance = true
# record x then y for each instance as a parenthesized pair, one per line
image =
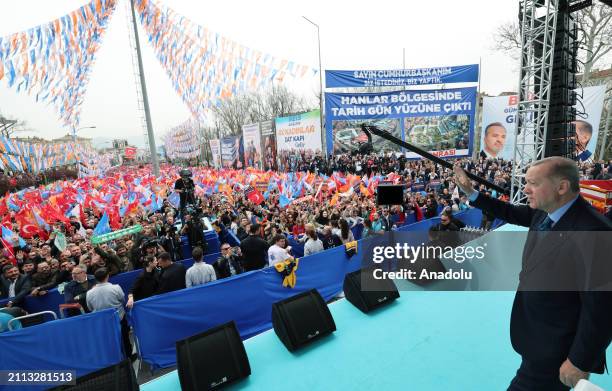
(426, 341)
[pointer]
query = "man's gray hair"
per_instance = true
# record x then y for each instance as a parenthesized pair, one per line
(80, 267)
(562, 168)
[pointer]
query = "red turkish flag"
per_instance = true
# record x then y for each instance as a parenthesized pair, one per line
(27, 231)
(130, 152)
(255, 197)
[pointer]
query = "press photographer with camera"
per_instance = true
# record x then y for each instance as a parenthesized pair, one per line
(171, 241)
(194, 230)
(185, 187)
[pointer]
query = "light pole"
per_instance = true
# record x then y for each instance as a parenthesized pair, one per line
(74, 134)
(320, 85)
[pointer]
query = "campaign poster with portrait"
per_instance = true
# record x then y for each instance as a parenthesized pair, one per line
(498, 131)
(215, 150)
(252, 145)
(499, 114)
(268, 144)
(588, 116)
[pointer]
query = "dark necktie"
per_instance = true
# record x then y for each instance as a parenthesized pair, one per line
(546, 224)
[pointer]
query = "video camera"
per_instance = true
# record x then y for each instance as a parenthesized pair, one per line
(148, 243)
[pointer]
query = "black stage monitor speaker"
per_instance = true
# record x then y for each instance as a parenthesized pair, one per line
(301, 319)
(116, 377)
(212, 359)
(390, 194)
(378, 293)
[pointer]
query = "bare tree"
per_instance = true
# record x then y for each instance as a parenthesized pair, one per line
(8, 127)
(508, 39)
(276, 101)
(594, 34)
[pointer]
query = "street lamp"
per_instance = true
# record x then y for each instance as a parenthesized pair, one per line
(320, 83)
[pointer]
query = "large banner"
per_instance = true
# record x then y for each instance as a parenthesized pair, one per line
(300, 132)
(439, 121)
(268, 143)
(215, 150)
(231, 152)
(402, 77)
(498, 132)
(498, 135)
(587, 121)
(252, 145)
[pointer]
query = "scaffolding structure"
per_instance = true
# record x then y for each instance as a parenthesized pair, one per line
(538, 21)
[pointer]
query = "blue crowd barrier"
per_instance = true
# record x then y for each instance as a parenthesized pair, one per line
(247, 299)
(83, 344)
(52, 300)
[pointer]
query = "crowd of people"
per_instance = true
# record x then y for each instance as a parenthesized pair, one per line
(11, 182)
(319, 221)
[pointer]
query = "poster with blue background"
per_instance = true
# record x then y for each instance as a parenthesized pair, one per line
(439, 121)
(402, 77)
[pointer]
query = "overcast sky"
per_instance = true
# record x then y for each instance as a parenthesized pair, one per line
(355, 34)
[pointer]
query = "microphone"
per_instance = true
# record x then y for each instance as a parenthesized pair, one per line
(369, 129)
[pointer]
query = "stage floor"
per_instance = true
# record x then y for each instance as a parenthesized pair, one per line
(426, 341)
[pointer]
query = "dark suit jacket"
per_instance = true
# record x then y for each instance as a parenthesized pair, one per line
(254, 252)
(550, 326)
(172, 278)
(22, 289)
(222, 268)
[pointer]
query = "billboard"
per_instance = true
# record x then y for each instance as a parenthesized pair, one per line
(215, 150)
(231, 152)
(252, 145)
(439, 121)
(588, 116)
(300, 132)
(402, 77)
(498, 135)
(268, 144)
(498, 132)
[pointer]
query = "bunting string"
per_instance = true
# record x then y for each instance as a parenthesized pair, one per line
(52, 61)
(182, 141)
(206, 67)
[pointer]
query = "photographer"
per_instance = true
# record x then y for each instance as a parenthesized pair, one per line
(194, 230)
(171, 242)
(185, 187)
(149, 247)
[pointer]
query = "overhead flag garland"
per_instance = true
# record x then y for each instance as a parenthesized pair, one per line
(182, 142)
(19, 156)
(206, 67)
(52, 61)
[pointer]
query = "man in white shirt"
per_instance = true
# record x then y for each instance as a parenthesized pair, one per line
(279, 251)
(201, 272)
(106, 295)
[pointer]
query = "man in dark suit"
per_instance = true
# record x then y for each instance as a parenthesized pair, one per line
(14, 286)
(561, 334)
(172, 276)
(254, 250)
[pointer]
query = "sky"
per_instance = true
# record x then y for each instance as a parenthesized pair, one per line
(355, 34)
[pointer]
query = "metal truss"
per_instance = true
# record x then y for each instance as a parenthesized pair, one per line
(538, 20)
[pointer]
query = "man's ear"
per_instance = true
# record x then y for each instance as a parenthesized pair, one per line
(563, 186)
